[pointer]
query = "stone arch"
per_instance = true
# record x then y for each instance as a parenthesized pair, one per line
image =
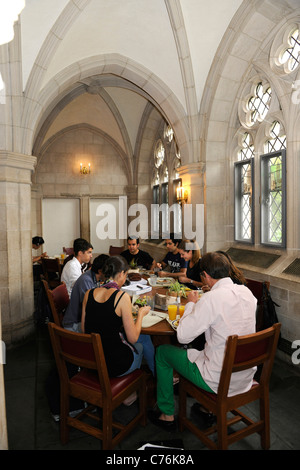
(126, 163)
(71, 78)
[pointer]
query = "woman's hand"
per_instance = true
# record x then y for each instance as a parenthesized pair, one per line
(144, 310)
(184, 279)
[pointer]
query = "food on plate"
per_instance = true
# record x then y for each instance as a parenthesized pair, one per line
(140, 302)
(134, 277)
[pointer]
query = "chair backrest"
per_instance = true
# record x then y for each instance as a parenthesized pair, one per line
(245, 352)
(68, 251)
(53, 266)
(82, 350)
(256, 288)
(58, 299)
(115, 250)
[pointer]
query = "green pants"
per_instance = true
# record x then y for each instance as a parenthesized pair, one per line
(168, 358)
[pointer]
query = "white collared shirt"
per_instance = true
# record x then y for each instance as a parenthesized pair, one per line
(70, 273)
(225, 310)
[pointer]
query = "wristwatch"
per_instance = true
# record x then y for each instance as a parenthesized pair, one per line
(191, 281)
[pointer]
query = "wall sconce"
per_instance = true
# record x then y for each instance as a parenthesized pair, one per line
(85, 170)
(181, 194)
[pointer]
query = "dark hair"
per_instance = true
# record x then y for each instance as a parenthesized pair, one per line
(176, 241)
(114, 265)
(196, 253)
(133, 238)
(98, 263)
(216, 265)
(80, 244)
(236, 275)
(37, 241)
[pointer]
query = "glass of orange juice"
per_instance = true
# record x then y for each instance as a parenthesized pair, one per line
(172, 311)
(181, 310)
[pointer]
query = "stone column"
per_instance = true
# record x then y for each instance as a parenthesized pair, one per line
(16, 280)
(193, 180)
(3, 426)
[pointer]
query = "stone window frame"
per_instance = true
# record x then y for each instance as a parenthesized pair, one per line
(280, 45)
(260, 132)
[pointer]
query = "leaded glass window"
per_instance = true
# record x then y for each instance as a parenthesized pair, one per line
(273, 199)
(291, 55)
(244, 210)
(259, 103)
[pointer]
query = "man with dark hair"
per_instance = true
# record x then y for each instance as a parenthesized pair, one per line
(173, 265)
(227, 309)
(87, 280)
(36, 243)
(83, 252)
(135, 256)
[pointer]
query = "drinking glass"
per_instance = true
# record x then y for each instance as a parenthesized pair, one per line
(172, 311)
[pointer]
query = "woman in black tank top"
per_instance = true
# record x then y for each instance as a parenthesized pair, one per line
(107, 311)
(192, 277)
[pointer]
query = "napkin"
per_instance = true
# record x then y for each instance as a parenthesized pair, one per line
(152, 318)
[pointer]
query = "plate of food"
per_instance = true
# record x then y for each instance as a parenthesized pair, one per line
(174, 323)
(164, 281)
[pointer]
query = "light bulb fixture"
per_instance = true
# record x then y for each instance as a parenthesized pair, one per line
(85, 170)
(181, 194)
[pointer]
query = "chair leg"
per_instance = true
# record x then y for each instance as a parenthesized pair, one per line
(182, 407)
(64, 411)
(106, 427)
(265, 417)
(143, 402)
(222, 429)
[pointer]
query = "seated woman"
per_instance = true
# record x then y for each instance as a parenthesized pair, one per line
(192, 277)
(108, 311)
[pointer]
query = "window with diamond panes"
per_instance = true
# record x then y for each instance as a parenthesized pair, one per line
(244, 212)
(259, 103)
(273, 199)
(291, 55)
(244, 202)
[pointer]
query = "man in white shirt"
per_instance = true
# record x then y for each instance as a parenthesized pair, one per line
(225, 310)
(83, 252)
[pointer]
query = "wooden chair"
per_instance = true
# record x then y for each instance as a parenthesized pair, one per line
(52, 271)
(256, 288)
(68, 251)
(242, 352)
(93, 385)
(115, 250)
(58, 300)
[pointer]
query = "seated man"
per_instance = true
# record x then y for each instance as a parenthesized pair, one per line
(37, 242)
(135, 256)
(227, 309)
(87, 280)
(173, 265)
(83, 252)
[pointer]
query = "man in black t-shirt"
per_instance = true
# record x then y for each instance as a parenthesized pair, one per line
(136, 257)
(173, 265)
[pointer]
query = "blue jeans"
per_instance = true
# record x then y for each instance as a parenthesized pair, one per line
(149, 351)
(137, 359)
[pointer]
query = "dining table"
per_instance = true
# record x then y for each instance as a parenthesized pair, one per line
(161, 332)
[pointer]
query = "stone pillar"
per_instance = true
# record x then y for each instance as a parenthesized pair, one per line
(16, 280)
(3, 426)
(193, 180)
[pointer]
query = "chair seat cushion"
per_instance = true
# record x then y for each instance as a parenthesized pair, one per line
(89, 379)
